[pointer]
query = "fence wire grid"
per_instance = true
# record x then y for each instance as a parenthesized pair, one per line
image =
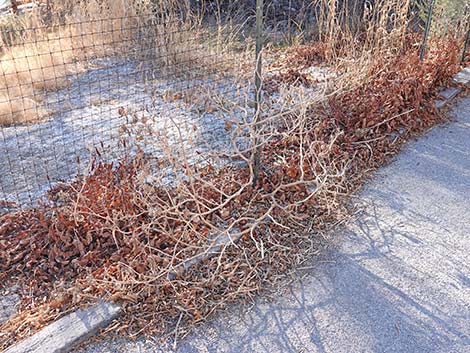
(115, 87)
(112, 87)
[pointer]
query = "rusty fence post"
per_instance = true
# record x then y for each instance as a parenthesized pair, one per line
(427, 29)
(258, 86)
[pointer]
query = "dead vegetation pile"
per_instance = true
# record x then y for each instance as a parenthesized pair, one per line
(175, 254)
(292, 69)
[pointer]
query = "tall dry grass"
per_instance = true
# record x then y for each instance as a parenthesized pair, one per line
(360, 34)
(47, 45)
(42, 48)
(362, 28)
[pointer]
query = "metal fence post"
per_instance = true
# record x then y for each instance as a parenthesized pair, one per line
(258, 84)
(427, 29)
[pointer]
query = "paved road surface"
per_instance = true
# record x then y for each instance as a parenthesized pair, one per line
(398, 280)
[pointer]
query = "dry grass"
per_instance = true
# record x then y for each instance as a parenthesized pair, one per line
(25, 72)
(113, 235)
(42, 50)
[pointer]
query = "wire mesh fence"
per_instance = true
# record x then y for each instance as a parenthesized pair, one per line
(175, 89)
(113, 88)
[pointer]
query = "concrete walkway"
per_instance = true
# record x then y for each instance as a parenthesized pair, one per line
(398, 280)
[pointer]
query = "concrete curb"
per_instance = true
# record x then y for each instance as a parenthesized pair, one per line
(448, 94)
(65, 333)
(463, 77)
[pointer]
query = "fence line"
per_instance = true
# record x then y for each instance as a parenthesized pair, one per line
(110, 87)
(116, 87)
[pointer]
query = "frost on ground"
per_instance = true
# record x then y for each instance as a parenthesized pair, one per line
(119, 107)
(114, 101)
